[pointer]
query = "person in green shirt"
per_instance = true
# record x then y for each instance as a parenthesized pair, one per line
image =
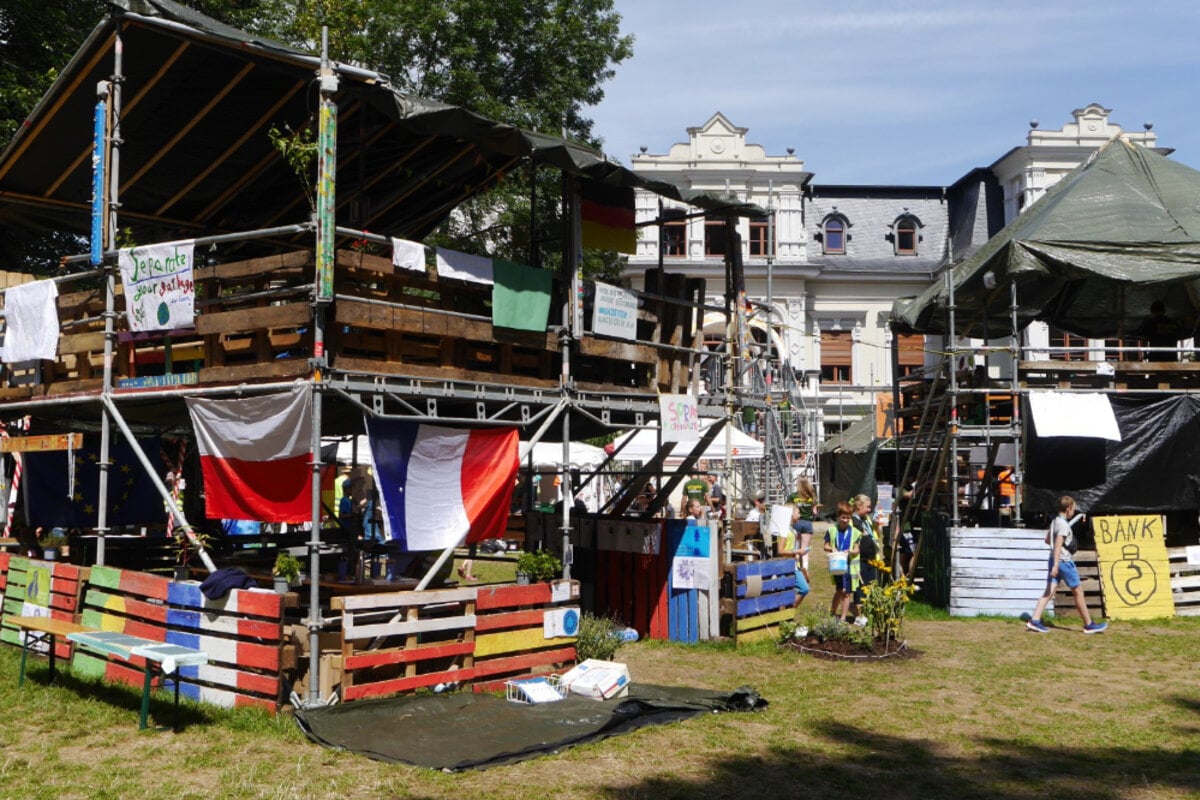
(696, 488)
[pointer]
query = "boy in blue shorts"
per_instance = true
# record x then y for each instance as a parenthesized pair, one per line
(1062, 568)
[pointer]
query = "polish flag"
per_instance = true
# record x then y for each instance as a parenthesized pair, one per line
(441, 485)
(256, 456)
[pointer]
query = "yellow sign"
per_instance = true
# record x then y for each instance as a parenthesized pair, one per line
(1134, 568)
(33, 444)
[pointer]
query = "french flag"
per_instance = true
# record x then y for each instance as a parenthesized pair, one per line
(441, 485)
(256, 456)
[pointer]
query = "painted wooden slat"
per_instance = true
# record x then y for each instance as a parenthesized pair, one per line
(126, 605)
(233, 626)
(524, 662)
(494, 597)
(768, 568)
(771, 585)
(372, 602)
(493, 644)
(397, 685)
(268, 685)
(763, 620)
(769, 602)
(379, 658)
(354, 631)
(242, 602)
(130, 582)
(509, 619)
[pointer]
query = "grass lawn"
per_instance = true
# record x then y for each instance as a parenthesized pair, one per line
(988, 710)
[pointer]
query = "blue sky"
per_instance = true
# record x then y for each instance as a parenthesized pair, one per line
(911, 93)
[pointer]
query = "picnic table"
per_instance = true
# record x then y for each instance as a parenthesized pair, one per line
(165, 657)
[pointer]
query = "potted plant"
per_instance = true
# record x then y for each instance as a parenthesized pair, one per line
(185, 545)
(286, 571)
(52, 543)
(538, 565)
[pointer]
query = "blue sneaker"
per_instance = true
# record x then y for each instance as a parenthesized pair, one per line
(1037, 626)
(1095, 627)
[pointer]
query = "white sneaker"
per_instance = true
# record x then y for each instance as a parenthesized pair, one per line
(860, 622)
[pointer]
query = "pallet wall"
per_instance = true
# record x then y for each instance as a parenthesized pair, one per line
(403, 641)
(1185, 580)
(242, 634)
(32, 587)
(1000, 571)
(756, 596)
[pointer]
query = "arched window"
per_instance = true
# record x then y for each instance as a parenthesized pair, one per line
(834, 235)
(906, 234)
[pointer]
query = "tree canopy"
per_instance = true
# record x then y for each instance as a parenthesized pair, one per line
(537, 64)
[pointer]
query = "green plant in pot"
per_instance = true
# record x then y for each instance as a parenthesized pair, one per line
(52, 542)
(286, 571)
(538, 565)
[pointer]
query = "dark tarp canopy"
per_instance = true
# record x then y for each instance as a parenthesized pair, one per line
(1117, 233)
(847, 464)
(1151, 470)
(198, 99)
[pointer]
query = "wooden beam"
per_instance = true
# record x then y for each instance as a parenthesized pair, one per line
(39, 444)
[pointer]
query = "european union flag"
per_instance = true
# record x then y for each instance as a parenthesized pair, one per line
(52, 502)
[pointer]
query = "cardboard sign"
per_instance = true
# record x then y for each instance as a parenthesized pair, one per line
(614, 312)
(680, 418)
(1135, 571)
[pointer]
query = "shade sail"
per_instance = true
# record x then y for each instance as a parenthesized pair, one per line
(198, 100)
(1117, 233)
(643, 446)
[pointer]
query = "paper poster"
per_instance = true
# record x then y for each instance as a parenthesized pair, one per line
(680, 418)
(694, 542)
(779, 525)
(1135, 571)
(560, 622)
(688, 572)
(614, 312)
(160, 293)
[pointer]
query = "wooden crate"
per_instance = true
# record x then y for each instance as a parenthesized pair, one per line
(756, 597)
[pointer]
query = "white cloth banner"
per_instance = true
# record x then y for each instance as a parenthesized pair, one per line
(1068, 414)
(408, 255)
(680, 418)
(30, 322)
(464, 266)
(160, 293)
(614, 312)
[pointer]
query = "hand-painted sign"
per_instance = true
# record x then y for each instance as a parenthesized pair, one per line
(1134, 567)
(680, 418)
(160, 294)
(614, 312)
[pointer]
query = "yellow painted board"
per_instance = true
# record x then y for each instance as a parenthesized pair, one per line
(518, 641)
(1135, 572)
(760, 621)
(34, 444)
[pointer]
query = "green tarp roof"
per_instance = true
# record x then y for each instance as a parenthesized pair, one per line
(1117, 233)
(198, 99)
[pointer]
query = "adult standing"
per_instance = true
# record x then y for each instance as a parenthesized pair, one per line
(716, 495)
(869, 549)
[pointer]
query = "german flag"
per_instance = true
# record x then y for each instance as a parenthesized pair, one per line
(607, 216)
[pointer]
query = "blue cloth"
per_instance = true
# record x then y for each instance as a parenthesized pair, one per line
(801, 583)
(219, 584)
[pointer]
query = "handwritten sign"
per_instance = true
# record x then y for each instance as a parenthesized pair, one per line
(615, 312)
(160, 293)
(1134, 567)
(680, 418)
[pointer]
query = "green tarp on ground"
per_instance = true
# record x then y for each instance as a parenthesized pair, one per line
(461, 731)
(1117, 233)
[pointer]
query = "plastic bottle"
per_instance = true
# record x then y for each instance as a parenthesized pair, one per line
(626, 634)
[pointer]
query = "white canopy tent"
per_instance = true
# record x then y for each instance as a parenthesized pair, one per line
(643, 446)
(550, 454)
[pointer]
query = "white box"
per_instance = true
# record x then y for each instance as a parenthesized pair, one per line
(599, 680)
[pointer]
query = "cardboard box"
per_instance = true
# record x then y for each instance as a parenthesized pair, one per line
(599, 680)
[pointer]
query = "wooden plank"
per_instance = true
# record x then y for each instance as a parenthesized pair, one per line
(771, 585)
(396, 600)
(69, 344)
(354, 631)
(397, 685)
(280, 368)
(267, 265)
(768, 568)
(380, 658)
(763, 620)
(511, 619)
(523, 662)
(493, 597)
(493, 644)
(253, 319)
(760, 605)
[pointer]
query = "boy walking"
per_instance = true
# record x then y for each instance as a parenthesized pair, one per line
(1062, 568)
